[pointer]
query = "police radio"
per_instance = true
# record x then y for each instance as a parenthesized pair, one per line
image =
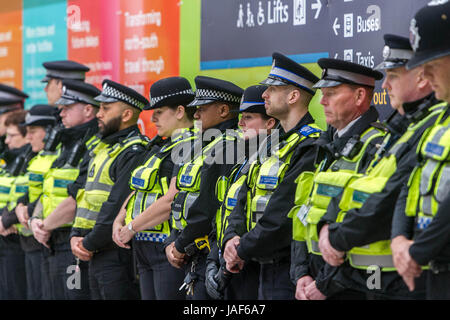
(78, 150)
(53, 137)
(352, 147)
(18, 165)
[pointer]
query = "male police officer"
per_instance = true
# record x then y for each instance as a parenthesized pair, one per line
(424, 215)
(346, 148)
(267, 237)
(58, 71)
(365, 212)
(196, 203)
(78, 110)
(111, 274)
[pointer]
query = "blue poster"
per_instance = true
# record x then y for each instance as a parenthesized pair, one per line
(44, 39)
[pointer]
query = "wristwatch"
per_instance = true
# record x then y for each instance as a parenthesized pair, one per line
(130, 227)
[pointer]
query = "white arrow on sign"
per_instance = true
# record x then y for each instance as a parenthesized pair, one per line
(336, 26)
(316, 6)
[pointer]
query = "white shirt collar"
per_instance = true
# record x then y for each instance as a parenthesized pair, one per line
(346, 128)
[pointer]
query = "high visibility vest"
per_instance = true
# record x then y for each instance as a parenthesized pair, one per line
(37, 168)
(56, 181)
(264, 178)
(429, 183)
(149, 186)
(327, 185)
(358, 191)
(189, 179)
(99, 183)
(19, 189)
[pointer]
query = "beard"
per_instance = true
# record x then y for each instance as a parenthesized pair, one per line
(112, 126)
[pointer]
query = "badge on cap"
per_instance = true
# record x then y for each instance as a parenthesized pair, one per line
(436, 2)
(386, 52)
(414, 37)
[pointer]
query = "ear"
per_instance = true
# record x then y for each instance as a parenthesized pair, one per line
(294, 96)
(223, 110)
(360, 96)
(127, 115)
(270, 124)
(421, 81)
(180, 112)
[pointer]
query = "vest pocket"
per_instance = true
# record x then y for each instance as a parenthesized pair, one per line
(189, 177)
(144, 179)
(442, 189)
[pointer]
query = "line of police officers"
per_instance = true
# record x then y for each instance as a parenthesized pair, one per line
(277, 209)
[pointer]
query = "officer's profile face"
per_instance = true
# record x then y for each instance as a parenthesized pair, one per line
(53, 89)
(437, 71)
(165, 121)
(253, 124)
(35, 137)
(276, 100)
(208, 114)
(401, 85)
(339, 105)
(73, 115)
(110, 117)
(14, 138)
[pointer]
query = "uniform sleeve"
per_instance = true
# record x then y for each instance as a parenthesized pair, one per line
(200, 216)
(299, 260)
(372, 222)
(72, 189)
(432, 241)
(9, 217)
(402, 225)
(101, 235)
(272, 234)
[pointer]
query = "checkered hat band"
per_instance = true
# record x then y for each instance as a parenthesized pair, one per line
(155, 100)
(400, 54)
(114, 93)
(355, 77)
(285, 74)
(216, 95)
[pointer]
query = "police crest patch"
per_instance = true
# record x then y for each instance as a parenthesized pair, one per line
(414, 37)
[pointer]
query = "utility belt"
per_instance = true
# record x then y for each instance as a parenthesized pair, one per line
(199, 246)
(439, 267)
(60, 235)
(273, 261)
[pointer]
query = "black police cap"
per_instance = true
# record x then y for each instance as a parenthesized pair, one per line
(286, 71)
(336, 72)
(396, 52)
(64, 69)
(170, 91)
(252, 100)
(210, 90)
(430, 33)
(10, 96)
(113, 92)
(41, 115)
(74, 91)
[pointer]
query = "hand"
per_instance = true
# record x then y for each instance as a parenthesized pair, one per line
(115, 235)
(212, 287)
(330, 255)
(2, 228)
(176, 262)
(42, 236)
(312, 293)
(22, 214)
(302, 283)
(9, 231)
(403, 262)
(125, 235)
(76, 244)
(234, 263)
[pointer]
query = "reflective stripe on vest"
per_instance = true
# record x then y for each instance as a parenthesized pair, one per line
(36, 170)
(99, 183)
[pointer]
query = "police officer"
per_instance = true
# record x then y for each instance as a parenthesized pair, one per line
(111, 274)
(346, 148)
(145, 216)
(366, 209)
(37, 120)
(421, 223)
(56, 71)
(256, 125)
(267, 237)
(12, 264)
(11, 99)
(196, 203)
(78, 111)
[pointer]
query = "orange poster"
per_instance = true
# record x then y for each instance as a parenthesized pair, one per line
(149, 46)
(11, 43)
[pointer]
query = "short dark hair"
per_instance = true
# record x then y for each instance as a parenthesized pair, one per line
(17, 118)
(190, 111)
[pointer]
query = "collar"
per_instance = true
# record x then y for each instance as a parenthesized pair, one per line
(340, 133)
(307, 119)
(121, 135)
(71, 135)
(227, 124)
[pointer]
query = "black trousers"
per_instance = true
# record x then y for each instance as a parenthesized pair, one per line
(275, 282)
(13, 283)
(111, 275)
(33, 262)
(438, 286)
(200, 292)
(158, 279)
(244, 285)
